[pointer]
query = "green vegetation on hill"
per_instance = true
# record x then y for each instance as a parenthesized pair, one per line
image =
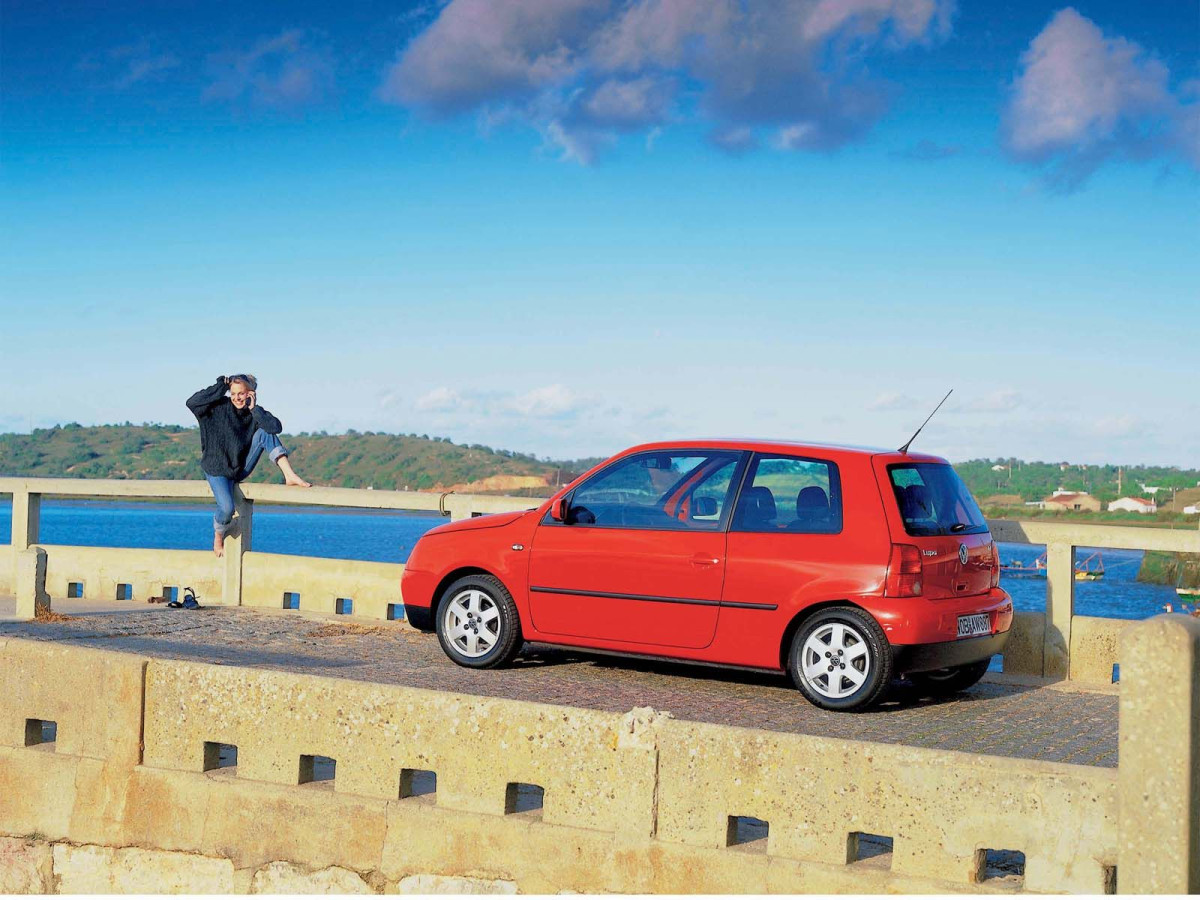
(383, 461)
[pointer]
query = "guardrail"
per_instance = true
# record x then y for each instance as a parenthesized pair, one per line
(1055, 644)
(1058, 643)
(241, 577)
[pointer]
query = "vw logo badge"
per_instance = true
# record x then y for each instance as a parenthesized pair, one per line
(962, 553)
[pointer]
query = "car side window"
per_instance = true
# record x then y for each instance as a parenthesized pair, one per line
(661, 490)
(786, 494)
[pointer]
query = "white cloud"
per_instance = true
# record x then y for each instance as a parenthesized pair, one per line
(890, 400)
(791, 72)
(287, 71)
(552, 401)
(1081, 98)
(442, 399)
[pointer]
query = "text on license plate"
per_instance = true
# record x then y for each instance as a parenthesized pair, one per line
(968, 626)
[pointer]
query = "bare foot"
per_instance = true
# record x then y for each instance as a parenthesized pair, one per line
(218, 544)
(289, 474)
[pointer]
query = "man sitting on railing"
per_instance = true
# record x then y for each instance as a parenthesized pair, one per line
(234, 432)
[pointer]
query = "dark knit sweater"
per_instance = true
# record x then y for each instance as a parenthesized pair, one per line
(226, 432)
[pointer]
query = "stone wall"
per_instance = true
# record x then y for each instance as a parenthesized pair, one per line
(131, 796)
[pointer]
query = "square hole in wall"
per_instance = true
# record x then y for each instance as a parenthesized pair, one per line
(419, 784)
(873, 849)
(320, 770)
(291, 600)
(1002, 865)
(1110, 879)
(74, 590)
(344, 606)
(170, 592)
(395, 612)
(747, 833)
(124, 591)
(220, 756)
(39, 732)
(524, 798)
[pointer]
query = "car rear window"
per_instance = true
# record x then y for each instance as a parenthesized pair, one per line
(934, 501)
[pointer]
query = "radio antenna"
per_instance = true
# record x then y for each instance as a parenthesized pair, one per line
(908, 443)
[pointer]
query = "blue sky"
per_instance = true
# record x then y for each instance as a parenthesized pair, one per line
(564, 226)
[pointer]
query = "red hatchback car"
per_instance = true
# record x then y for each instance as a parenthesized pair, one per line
(843, 566)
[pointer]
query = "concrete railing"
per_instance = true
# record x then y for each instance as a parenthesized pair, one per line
(202, 778)
(242, 577)
(1058, 643)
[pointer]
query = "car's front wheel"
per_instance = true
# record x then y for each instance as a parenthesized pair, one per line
(943, 682)
(840, 659)
(477, 622)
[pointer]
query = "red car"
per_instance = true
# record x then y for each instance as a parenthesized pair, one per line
(844, 567)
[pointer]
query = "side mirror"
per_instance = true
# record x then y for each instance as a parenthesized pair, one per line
(704, 506)
(558, 510)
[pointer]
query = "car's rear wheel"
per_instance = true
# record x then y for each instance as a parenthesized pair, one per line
(943, 682)
(477, 623)
(840, 659)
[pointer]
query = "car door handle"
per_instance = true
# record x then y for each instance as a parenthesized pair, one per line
(701, 560)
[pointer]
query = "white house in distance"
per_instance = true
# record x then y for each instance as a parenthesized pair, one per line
(1133, 504)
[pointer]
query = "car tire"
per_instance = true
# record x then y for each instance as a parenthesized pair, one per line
(848, 634)
(477, 623)
(943, 682)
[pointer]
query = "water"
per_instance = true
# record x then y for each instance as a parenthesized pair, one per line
(389, 537)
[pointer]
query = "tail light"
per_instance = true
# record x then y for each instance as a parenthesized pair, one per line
(995, 565)
(904, 572)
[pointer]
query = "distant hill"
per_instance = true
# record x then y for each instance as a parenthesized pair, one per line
(421, 462)
(368, 459)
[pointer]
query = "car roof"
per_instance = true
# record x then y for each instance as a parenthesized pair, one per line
(784, 447)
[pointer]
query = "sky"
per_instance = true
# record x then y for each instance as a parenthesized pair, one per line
(567, 226)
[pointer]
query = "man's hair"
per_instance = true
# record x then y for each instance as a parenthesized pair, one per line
(248, 380)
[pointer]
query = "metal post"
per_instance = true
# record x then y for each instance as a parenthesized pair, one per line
(1060, 608)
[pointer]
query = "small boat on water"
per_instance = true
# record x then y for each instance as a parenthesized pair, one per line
(1188, 593)
(1091, 569)
(1088, 572)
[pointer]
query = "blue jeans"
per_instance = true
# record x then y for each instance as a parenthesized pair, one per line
(222, 487)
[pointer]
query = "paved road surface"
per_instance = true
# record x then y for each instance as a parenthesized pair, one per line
(1003, 719)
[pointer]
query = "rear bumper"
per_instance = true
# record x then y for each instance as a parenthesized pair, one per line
(419, 617)
(927, 657)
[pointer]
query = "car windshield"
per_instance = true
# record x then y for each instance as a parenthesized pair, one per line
(934, 501)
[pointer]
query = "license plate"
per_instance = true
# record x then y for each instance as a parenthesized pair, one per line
(969, 626)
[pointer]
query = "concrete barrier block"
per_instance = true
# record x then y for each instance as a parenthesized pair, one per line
(101, 801)
(101, 569)
(939, 807)
(1023, 652)
(31, 593)
(287, 878)
(94, 697)
(104, 870)
(26, 867)
(254, 824)
(37, 793)
(170, 810)
(596, 773)
(1095, 648)
(1159, 848)
(320, 582)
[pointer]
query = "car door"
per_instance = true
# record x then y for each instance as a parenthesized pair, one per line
(641, 555)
